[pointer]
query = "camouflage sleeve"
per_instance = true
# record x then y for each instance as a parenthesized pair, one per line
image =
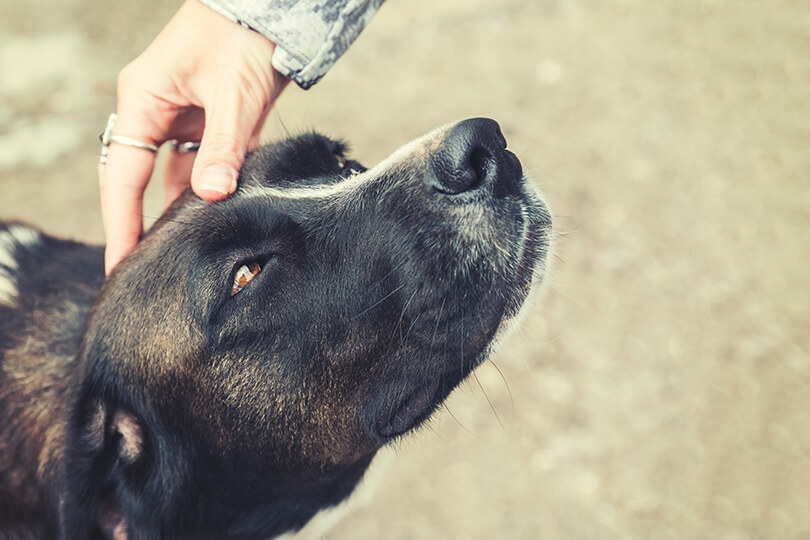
(310, 35)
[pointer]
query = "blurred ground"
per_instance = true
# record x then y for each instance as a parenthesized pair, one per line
(661, 387)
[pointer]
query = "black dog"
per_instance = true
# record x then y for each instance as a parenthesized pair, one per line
(239, 370)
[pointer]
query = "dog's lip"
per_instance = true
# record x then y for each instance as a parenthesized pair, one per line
(410, 411)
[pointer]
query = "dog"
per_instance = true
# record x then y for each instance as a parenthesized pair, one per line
(238, 371)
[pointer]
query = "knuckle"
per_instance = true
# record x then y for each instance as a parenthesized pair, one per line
(127, 77)
(222, 147)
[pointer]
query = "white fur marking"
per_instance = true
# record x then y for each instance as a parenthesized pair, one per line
(25, 237)
(350, 183)
(317, 192)
(11, 239)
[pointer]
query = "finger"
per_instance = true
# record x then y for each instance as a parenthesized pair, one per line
(254, 141)
(177, 174)
(123, 179)
(187, 127)
(229, 126)
(122, 182)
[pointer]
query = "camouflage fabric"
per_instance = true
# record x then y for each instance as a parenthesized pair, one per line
(310, 35)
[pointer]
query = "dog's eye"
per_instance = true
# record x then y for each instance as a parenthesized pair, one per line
(244, 275)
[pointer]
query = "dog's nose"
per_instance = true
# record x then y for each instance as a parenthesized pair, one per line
(469, 157)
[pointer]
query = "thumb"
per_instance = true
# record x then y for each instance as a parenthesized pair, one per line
(227, 133)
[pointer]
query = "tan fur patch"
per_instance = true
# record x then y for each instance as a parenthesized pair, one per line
(131, 436)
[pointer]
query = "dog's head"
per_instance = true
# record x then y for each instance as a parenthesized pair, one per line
(244, 364)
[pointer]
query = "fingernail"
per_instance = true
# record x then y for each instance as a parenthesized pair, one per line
(218, 178)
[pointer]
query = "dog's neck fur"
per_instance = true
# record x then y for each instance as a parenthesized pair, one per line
(50, 292)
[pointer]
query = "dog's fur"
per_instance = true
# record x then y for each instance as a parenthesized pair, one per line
(164, 407)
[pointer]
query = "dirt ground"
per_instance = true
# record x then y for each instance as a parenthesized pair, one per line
(660, 389)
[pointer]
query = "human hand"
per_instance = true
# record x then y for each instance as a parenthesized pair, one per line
(204, 78)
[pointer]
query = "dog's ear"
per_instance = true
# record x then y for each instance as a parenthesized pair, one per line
(105, 450)
(127, 430)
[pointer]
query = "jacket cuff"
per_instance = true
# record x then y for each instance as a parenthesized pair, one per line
(310, 35)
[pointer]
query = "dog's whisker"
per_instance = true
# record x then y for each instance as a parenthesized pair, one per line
(281, 121)
(404, 342)
(444, 358)
(462, 340)
(565, 295)
(381, 281)
(508, 389)
(438, 320)
(434, 431)
(405, 307)
(394, 269)
(568, 230)
(378, 302)
(478, 381)
(491, 406)
(400, 395)
(398, 327)
(446, 407)
(435, 330)
(561, 259)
